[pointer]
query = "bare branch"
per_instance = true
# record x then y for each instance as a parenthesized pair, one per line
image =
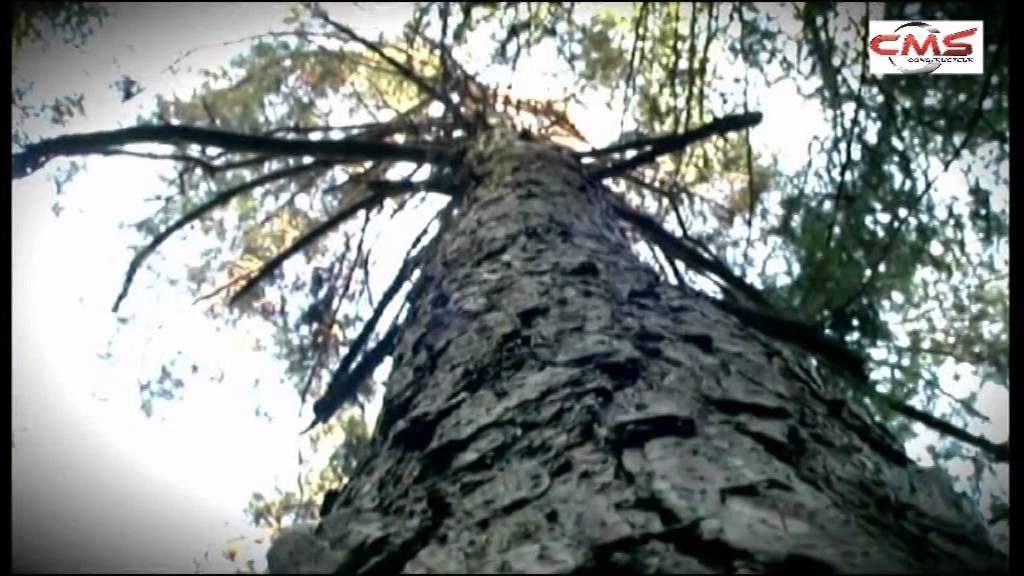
(809, 337)
(677, 248)
(639, 28)
(410, 262)
(668, 144)
(187, 53)
(345, 383)
(345, 387)
(206, 165)
(218, 200)
(676, 191)
(366, 278)
(218, 290)
(295, 129)
(371, 194)
(402, 68)
(858, 99)
(243, 163)
(35, 155)
(998, 452)
(760, 313)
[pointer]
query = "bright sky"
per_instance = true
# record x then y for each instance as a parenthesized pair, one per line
(91, 473)
(163, 491)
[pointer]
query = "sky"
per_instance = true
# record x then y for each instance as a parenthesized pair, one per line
(164, 491)
(96, 480)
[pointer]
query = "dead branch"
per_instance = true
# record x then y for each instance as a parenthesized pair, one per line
(344, 387)
(667, 144)
(218, 290)
(218, 200)
(369, 194)
(345, 383)
(207, 166)
(998, 452)
(39, 153)
(691, 256)
(401, 68)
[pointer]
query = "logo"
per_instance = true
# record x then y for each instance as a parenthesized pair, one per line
(939, 47)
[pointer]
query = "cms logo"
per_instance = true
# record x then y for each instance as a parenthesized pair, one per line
(923, 48)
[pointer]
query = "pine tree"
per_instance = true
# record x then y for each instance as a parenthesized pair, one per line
(554, 404)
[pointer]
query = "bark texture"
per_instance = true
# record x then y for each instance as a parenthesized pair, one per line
(553, 407)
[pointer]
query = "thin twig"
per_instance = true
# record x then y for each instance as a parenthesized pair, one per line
(402, 68)
(691, 59)
(725, 123)
(243, 163)
(858, 100)
(630, 84)
(206, 165)
(410, 262)
(218, 290)
(673, 71)
(191, 51)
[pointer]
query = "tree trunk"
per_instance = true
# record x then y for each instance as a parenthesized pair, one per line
(554, 407)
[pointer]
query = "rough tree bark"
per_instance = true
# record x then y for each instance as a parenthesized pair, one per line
(554, 407)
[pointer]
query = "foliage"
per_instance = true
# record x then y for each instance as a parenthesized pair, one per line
(73, 20)
(36, 23)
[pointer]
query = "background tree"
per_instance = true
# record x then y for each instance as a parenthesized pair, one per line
(840, 244)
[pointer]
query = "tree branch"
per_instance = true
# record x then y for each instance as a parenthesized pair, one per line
(345, 383)
(372, 193)
(639, 25)
(37, 154)
(668, 142)
(243, 163)
(218, 200)
(345, 386)
(809, 337)
(998, 452)
(410, 262)
(676, 248)
(671, 143)
(207, 166)
(761, 315)
(858, 99)
(401, 68)
(191, 51)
